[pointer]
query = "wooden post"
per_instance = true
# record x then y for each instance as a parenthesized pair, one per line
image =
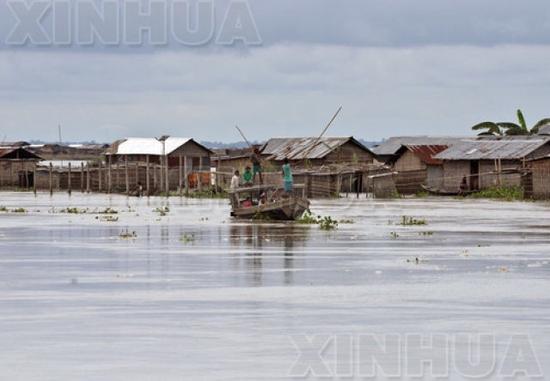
(167, 176)
(147, 175)
(500, 172)
(69, 184)
(186, 174)
(81, 177)
(137, 174)
(27, 183)
(87, 177)
(34, 179)
(155, 182)
(109, 174)
(180, 175)
(11, 174)
(126, 175)
(51, 179)
(100, 176)
(117, 172)
(199, 174)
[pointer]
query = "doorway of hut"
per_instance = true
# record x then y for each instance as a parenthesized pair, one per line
(474, 175)
(26, 179)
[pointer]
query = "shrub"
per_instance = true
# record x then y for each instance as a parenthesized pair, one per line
(506, 193)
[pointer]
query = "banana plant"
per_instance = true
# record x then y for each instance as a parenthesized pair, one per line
(510, 128)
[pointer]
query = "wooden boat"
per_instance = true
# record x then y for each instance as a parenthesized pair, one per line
(441, 192)
(268, 202)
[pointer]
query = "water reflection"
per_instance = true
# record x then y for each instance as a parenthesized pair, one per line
(259, 243)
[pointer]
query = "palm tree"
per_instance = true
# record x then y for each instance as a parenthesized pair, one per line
(509, 128)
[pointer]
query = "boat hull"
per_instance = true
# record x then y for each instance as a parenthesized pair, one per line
(287, 209)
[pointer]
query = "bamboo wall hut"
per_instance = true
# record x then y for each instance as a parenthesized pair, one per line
(313, 152)
(17, 167)
(488, 163)
(416, 166)
(172, 164)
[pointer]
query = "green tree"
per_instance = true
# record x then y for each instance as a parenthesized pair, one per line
(510, 128)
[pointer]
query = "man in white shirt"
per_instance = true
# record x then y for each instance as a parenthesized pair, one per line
(235, 180)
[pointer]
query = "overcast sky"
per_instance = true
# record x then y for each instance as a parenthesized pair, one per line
(398, 67)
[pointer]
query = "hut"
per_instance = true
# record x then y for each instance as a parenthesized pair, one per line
(232, 159)
(170, 162)
(17, 167)
(317, 152)
(537, 179)
(415, 166)
(327, 166)
(388, 150)
(487, 163)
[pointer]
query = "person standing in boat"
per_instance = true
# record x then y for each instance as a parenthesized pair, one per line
(256, 165)
(287, 176)
(248, 177)
(235, 180)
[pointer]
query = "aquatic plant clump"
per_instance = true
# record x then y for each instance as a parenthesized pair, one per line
(162, 211)
(325, 223)
(411, 221)
(128, 235)
(187, 238)
(108, 211)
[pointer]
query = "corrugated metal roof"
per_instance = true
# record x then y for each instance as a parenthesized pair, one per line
(148, 146)
(426, 153)
(491, 149)
(392, 145)
(545, 130)
(305, 148)
(23, 153)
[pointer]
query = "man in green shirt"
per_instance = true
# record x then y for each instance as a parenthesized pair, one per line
(248, 177)
(287, 176)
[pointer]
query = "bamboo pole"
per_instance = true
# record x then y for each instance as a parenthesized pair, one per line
(69, 184)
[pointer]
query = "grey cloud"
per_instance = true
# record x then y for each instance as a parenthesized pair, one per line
(278, 90)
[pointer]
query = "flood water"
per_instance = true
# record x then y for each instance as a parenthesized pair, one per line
(195, 295)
